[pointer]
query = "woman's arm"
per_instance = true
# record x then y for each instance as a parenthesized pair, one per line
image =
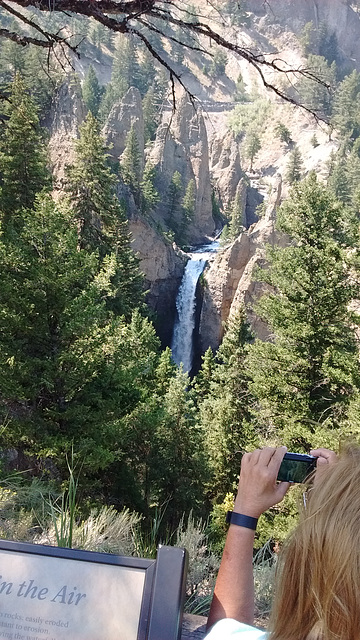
(258, 491)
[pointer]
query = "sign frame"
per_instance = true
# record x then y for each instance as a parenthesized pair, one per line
(164, 585)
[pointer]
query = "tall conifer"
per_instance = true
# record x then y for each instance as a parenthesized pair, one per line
(304, 377)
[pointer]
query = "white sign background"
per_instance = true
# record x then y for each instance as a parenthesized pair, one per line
(67, 599)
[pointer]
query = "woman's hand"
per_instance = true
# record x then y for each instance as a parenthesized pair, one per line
(325, 457)
(258, 489)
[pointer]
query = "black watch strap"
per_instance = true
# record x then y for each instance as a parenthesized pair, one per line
(242, 521)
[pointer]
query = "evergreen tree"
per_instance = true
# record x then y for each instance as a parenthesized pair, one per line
(224, 406)
(125, 70)
(92, 92)
(108, 99)
(188, 208)
(316, 95)
(149, 195)
(339, 180)
(283, 133)
(294, 167)
(67, 371)
(303, 381)
(151, 115)
(240, 94)
(236, 224)
(174, 201)
(182, 469)
(131, 164)
(23, 162)
(100, 215)
(346, 113)
(218, 64)
(177, 48)
(252, 147)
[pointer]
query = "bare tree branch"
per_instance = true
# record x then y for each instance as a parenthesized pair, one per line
(133, 15)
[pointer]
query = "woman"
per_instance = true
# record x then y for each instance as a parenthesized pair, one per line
(317, 593)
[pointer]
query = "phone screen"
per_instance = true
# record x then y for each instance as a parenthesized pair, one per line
(296, 467)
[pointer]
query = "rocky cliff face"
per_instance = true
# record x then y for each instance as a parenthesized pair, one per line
(67, 114)
(225, 165)
(163, 267)
(229, 281)
(339, 17)
(182, 146)
(127, 113)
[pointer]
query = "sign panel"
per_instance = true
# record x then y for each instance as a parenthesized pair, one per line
(57, 598)
(49, 593)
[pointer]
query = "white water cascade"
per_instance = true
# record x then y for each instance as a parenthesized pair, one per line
(182, 340)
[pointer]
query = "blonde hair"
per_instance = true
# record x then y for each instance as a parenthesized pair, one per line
(317, 592)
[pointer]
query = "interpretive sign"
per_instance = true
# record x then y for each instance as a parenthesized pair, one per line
(50, 593)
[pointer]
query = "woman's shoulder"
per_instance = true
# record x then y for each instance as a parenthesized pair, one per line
(232, 629)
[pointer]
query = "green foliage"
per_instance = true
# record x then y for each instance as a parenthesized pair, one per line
(125, 69)
(92, 92)
(224, 407)
(237, 12)
(240, 94)
(23, 161)
(294, 167)
(346, 114)
(236, 223)
(182, 465)
(149, 195)
(217, 66)
(101, 217)
(252, 147)
(250, 117)
(314, 94)
(283, 133)
(319, 42)
(131, 164)
(188, 211)
(303, 381)
(151, 114)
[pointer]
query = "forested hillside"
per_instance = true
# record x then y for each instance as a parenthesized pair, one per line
(104, 189)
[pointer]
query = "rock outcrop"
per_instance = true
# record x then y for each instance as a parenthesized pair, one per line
(337, 15)
(125, 114)
(67, 114)
(225, 165)
(163, 268)
(229, 281)
(183, 146)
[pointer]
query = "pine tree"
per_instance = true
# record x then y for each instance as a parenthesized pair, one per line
(236, 224)
(174, 201)
(149, 195)
(67, 371)
(346, 113)
(92, 92)
(224, 406)
(283, 133)
(182, 469)
(131, 164)
(252, 147)
(23, 162)
(240, 94)
(315, 95)
(294, 167)
(125, 70)
(108, 100)
(303, 381)
(188, 211)
(101, 217)
(151, 115)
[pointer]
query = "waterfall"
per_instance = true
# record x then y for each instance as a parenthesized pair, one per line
(182, 340)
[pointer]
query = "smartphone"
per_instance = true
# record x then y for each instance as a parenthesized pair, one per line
(296, 467)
